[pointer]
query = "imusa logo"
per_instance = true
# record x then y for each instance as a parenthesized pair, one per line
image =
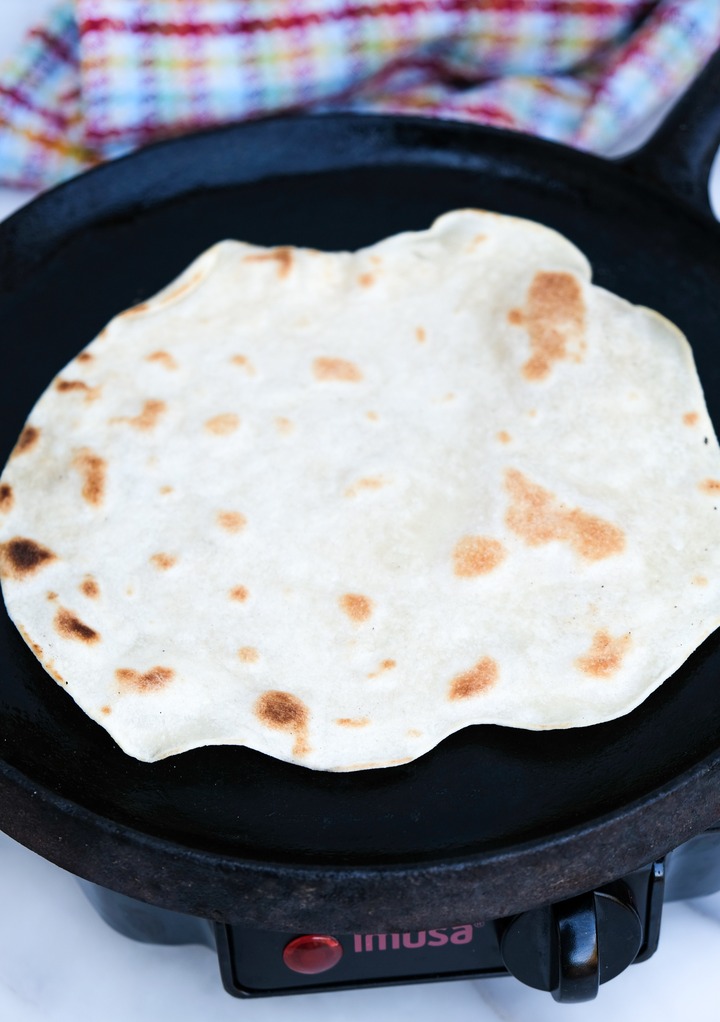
(414, 939)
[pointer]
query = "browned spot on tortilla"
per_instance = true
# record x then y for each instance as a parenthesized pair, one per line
(711, 486)
(537, 517)
(336, 369)
(163, 358)
(85, 356)
(26, 441)
(478, 239)
(70, 626)
(420, 335)
(7, 497)
(691, 418)
(155, 678)
(90, 588)
(37, 649)
(167, 489)
(366, 483)
(93, 470)
(282, 255)
(248, 654)
(352, 721)
(283, 711)
(605, 655)
(414, 733)
(148, 417)
(385, 665)
(504, 437)
(700, 580)
(366, 279)
(223, 424)
(515, 317)
(20, 557)
(478, 679)
(49, 666)
(231, 521)
(244, 361)
(358, 608)
(555, 321)
(181, 289)
(106, 710)
(51, 595)
(239, 593)
(164, 561)
(135, 310)
(477, 555)
(373, 416)
(68, 386)
(284, 425)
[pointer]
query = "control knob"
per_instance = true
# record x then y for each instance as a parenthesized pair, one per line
(569, 948)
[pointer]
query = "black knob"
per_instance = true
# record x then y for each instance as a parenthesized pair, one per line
(571, 947)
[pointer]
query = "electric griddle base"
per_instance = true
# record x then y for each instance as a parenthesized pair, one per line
(621, 927)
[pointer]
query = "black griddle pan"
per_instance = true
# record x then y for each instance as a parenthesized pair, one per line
(494, 820)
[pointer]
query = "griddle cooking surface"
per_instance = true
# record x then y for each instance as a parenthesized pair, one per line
(114, 237)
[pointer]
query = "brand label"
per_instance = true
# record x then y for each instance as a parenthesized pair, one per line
(364, 942)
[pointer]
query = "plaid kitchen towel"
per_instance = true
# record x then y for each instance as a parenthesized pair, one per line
(104, 76)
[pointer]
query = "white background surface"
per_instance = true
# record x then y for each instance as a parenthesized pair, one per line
(60, 963)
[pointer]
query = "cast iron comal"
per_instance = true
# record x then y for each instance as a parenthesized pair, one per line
(494, 821)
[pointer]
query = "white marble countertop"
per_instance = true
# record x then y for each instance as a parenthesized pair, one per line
(59, 962)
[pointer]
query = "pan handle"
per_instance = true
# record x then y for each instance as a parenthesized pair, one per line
(680, 153)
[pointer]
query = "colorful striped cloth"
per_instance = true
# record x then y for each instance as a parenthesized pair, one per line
(105, 76)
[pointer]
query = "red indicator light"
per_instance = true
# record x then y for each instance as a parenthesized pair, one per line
(312, 954)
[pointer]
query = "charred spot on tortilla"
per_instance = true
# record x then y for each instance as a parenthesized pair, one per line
(7, 497)
(357, 607)
(27, 440)
(223, 424)
(283, 256)
(21, 557)
(244, 361)
(711, 486)
(164, 561)
(537, 516)
(231, 521)
(476, 681)
(90, 588)
(78, 386)
(148, 681)
(283, 711)
(477, 555)
(147, 418)
(326, 368)
(93, 471)
(163, 358)
(385, 665)
(554, 318)
(69, 626)
(605, 655)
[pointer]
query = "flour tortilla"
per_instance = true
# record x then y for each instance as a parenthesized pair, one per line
(337, 506)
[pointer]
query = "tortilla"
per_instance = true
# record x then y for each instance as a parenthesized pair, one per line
(337, 506)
